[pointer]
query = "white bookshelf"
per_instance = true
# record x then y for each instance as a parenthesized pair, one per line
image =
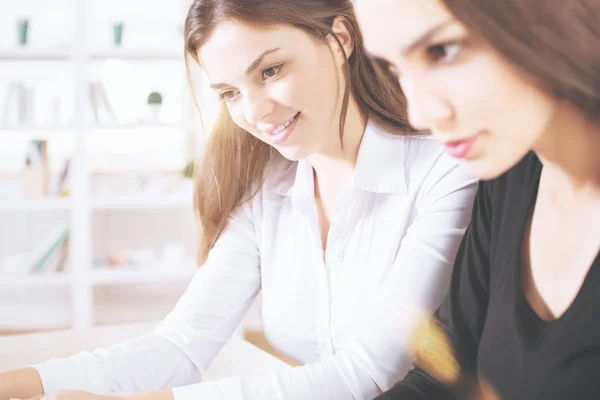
(141, 202)
(140, 55)
(82, 279)
(27, 54)
(36, 132)
(35, 281)
(99, 203)
(163, 274)
(47, 129)
(53, 204)
(143, 125)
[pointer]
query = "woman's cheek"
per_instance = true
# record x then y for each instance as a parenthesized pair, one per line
(236, 111)
(286, 91)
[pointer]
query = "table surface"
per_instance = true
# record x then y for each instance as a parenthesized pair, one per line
(237, 358)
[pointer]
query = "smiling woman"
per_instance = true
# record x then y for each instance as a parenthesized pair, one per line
(314, 191)
(283, 64)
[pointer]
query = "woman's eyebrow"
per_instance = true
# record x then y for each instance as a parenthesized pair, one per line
(250, 69)
(426, 37)
(259, 59)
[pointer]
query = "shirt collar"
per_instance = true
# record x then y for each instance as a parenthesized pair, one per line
(379, 167)
(380, 162)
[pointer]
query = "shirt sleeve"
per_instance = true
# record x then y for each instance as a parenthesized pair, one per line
(179, 350)
(461, 315)
(376, 355)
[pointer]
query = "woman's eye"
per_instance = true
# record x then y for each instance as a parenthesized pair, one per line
(227, 95)
(444, 52)
(271, 72)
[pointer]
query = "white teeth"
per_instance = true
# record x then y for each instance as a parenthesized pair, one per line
(282, 127)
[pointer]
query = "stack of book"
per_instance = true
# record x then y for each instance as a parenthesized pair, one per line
(18, 105)
(50, 256)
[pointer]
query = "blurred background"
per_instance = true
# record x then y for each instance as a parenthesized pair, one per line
(97, 133)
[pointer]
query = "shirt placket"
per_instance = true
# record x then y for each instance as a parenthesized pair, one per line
(333, 265)
(329, 263)
(305, 205)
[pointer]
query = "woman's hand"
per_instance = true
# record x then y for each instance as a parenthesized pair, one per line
(20, 383)
(74, 395)
(81, 395)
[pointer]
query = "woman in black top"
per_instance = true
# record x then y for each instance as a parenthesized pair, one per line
(512, 87)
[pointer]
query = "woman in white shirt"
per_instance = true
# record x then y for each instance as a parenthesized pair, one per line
(313, 189)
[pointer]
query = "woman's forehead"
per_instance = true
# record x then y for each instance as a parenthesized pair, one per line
(234, 46)
(397, 23)
(233, 35)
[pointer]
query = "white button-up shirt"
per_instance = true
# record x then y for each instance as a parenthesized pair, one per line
(346, 314)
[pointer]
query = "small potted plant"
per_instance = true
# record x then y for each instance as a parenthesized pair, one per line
(154, 103)
(118, 33)
(188, 170)
(23, 28)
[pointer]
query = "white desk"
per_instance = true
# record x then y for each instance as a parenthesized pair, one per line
(237, 358)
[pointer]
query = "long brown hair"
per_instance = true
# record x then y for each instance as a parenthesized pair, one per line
(233, 165)
(554, 42)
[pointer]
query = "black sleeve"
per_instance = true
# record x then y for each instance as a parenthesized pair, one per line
(462, 314)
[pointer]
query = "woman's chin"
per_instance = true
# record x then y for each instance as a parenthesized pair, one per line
(293, 152)
(486, 168)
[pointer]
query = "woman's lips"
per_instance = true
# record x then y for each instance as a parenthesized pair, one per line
(282, 136)
(460, 148)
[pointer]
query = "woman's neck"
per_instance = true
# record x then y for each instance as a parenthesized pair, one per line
(570, 153)
(334, 163)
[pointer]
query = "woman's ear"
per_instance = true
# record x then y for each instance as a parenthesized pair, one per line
(341, 28)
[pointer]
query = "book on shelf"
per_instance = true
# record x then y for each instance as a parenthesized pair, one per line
(18, 105)
(51, 254)
(101, 107)
(61, 184)
(48, 257)
(36, 174)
